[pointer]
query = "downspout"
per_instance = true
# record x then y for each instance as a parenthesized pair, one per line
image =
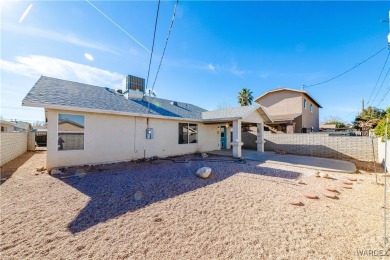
(135, 136)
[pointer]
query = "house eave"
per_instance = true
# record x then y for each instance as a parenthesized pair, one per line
(102, 111)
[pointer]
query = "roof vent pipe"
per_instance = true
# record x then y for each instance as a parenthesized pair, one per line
(173, 103)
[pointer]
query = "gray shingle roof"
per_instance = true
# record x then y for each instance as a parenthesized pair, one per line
(56, 92)
(234, 112)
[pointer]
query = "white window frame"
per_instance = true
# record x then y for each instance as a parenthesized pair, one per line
(85, 121)
(311, 108)
(304, 103)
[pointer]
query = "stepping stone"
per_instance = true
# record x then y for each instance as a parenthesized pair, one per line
(317, 174)
(296, 203)
(309, 195)
(345, 186)
(352, 179)
(300, 182)
(329, 194)
(347, 182)
(332, 189)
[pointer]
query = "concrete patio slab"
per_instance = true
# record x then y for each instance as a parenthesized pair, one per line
(317, 163)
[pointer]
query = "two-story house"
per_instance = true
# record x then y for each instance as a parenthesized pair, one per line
(292, 111)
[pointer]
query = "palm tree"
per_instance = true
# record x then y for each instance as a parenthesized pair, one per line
(245, 97)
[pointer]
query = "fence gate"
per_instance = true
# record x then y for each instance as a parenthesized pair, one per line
(41, 139)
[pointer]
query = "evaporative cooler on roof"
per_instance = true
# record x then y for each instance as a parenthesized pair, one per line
(135, 84)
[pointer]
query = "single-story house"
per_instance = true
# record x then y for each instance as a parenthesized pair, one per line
(92, 125)
(6, 126)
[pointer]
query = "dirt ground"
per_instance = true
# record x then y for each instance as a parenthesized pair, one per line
(161, 210)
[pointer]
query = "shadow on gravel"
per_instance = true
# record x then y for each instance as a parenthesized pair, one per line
(117, 189)
(11, 167)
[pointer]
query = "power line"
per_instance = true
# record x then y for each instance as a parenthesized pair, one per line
(376, 84)
(345, 72)
(118, 26)
(380, 102)
(383, 81)
(154, 37)
(166, 42)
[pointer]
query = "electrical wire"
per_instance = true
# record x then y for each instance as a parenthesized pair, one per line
(117, 25)
(380, 102)
(154, 37)
(383, 81)
(380, 74)
(166, 42)
(345, 72)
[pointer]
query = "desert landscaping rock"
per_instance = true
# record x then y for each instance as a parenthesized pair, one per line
(203, 172)
(56, 171)
(329, 194)
(330, 188)
(346, 186)
(347, 182)
(239, 213)
(324, 175)
(317, 174)
(352, 178)
(296, 202)
(309, 195)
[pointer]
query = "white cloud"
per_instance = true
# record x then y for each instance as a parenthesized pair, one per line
(235, 71)
(56, 36)
(88, 56)
(36, 65)
(211, 67)
(25, 13)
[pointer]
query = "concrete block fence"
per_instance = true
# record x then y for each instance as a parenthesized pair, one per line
(361, 148)
(14, 144)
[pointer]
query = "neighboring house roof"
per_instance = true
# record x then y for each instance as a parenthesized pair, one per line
(3, 122)
(235, 113)
(22, 125)
(293, 90)
(62, 94)
(330, 126)
(287, 117)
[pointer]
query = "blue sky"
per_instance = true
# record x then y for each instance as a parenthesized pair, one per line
(215, 50)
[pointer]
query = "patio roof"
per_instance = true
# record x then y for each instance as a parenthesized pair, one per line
(235, 113)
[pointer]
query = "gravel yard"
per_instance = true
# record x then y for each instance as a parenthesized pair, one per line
(160, 210)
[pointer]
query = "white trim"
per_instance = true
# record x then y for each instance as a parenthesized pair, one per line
(71, 132)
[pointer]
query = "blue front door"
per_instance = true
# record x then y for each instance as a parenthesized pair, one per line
(223, 137)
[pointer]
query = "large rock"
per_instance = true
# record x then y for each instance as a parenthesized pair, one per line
(203, 172)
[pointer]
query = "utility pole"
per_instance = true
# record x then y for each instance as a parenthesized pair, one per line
(362, 104)
(388, 36)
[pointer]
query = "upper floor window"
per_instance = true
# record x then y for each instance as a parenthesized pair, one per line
(304, 103)
(188, 133)
(70, 132)
(311, 108)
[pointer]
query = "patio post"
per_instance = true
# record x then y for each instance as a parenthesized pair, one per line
(237, 138)
(260, 138)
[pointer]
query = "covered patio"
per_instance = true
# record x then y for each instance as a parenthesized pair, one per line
(231, 122)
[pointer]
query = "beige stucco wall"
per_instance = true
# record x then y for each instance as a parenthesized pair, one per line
(282, 102)
(9, 128)
(381, 153)
(113, 138)
(290, 102)
(309, 119)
